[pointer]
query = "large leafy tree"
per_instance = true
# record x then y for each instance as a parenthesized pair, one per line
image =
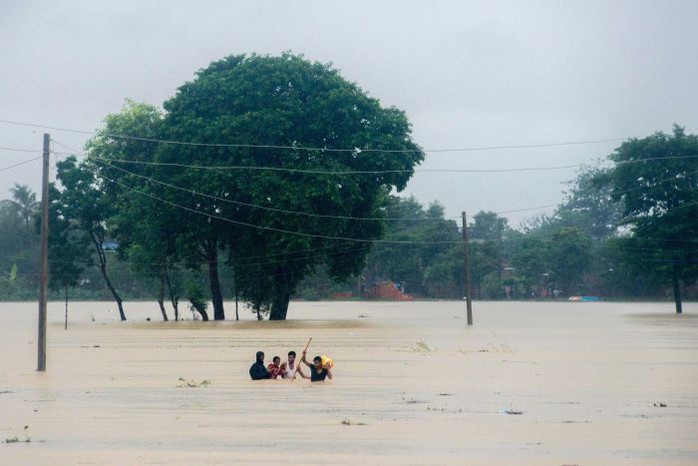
(656, 178)
(264, 105)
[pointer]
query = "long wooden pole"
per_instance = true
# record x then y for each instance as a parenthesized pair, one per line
(298, 363)
(468, 284)
(43, 260)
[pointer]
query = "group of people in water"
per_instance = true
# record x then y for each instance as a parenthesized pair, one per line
(319, 369)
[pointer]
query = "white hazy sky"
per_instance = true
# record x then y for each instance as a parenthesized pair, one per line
(467, 74)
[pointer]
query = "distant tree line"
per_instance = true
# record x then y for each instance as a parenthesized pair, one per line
(263, 203)
(625, 231)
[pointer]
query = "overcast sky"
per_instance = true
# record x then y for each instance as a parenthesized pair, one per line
(467, 74)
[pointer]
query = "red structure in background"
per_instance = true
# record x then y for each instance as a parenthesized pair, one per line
(387, 290)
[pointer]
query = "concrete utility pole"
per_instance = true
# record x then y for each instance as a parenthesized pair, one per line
(43, 260)
(468, 284)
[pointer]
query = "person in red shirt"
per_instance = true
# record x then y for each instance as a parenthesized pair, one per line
(275, 368)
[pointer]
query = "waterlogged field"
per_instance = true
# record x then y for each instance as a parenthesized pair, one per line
(594, 383)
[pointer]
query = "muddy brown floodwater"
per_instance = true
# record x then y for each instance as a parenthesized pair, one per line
(595, 383)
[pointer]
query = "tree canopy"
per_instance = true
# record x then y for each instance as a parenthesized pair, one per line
(656, 178)
(261, 128)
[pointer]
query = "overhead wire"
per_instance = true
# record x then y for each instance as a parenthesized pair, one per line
(290, 170)
(257, 206)
(286, 211)
(337, 172)
(281, 230)
(369, 172)
(306, 213)
(248, 263)
(9, 167)
(308, 148)
(269, 228)
(19, 149)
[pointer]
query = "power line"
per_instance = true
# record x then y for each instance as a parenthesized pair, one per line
(272, 209)
(367, 172)
(99, 160)
(302, 254)
(17, 149)
(120, 274)
(315, 149)
(318, 215)
(234, 265)
(267, 228)
(336, 172)
(20, 163)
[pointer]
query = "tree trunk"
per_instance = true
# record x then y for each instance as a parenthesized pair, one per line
(235, 288)
(161, 297)
(117, 298)
(174, 299)
(203, 313)
(216, 295)
(237, 317)
(279, 307)
(677, 289)
(66, 308)
(103, 270)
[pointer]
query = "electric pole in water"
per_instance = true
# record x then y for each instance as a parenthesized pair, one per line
(43, 260)
(468, 285)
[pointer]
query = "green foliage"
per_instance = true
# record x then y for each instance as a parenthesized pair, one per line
(24, 202)
(410, 264)
(589, 205)
(532, 264)
(626, 231)
(660, 205)
(570, 258)
(68, 245)
(18, 245)
(86, 208)
(197, 299)
(284, 101)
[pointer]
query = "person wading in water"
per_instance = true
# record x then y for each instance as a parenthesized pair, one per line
(318, 373)
(289, 368)
(257, 369)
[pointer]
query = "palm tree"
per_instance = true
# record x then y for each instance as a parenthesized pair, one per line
(24, 200)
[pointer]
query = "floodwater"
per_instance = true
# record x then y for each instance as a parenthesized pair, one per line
(413, 385)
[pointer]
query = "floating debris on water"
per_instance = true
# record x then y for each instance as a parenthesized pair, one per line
(193, 383)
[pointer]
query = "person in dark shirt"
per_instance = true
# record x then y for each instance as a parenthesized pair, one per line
(318, 373)
(257, 370)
